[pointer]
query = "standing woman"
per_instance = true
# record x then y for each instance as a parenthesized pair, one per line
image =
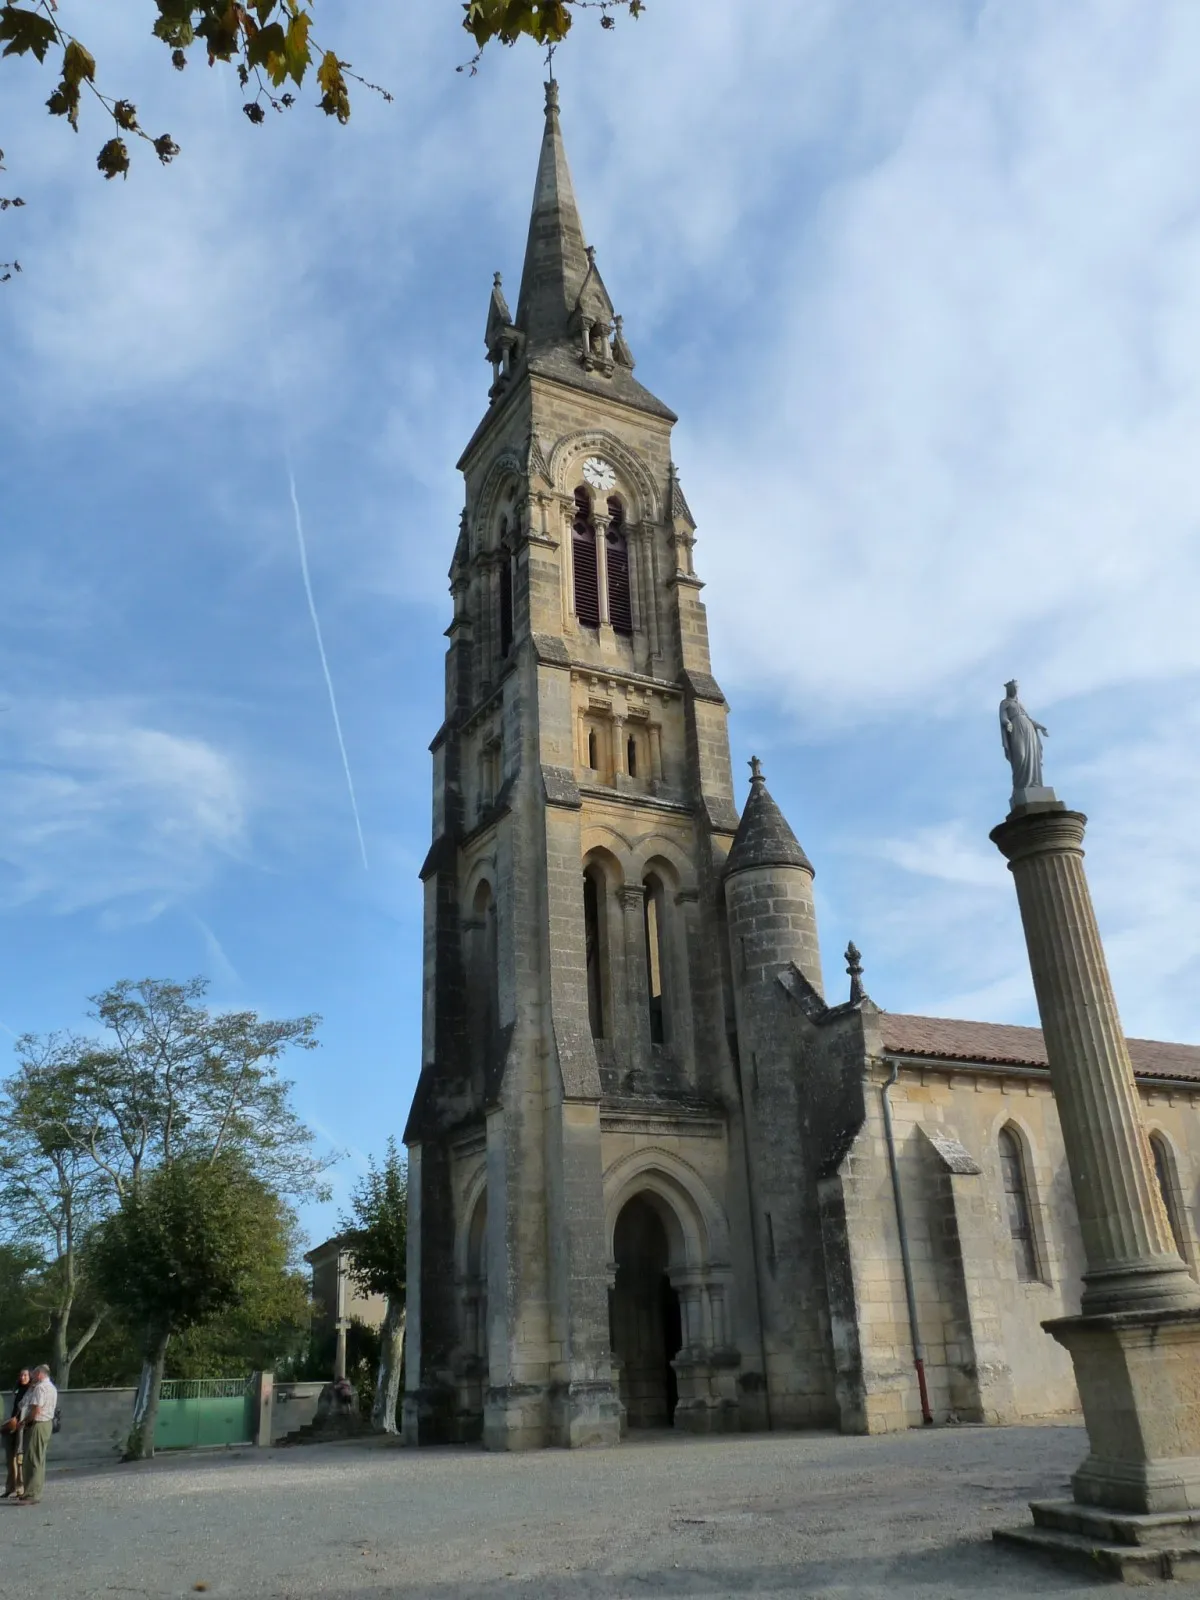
(13, 1460)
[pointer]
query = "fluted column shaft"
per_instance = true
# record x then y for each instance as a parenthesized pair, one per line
(1132, 1263)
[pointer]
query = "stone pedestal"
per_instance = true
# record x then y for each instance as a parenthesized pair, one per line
(1136, 1345)
(1139, 1381)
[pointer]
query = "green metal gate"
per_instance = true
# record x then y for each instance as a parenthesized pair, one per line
(205, 1411)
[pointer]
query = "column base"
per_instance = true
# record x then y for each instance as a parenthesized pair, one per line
(587, 1414)
(1127, 1547)
(575, 1416)
(517, 1417)
(1138, 1374)
(708, 1392)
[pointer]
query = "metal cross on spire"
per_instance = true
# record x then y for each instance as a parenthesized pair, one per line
(550, 59)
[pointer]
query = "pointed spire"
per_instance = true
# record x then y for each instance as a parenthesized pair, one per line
(499, 317)
(556, 260)
(763, 838)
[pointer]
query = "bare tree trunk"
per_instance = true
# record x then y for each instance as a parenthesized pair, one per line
(140, 1444)
(391, 1360)
(76, 1350)
(60, 1355)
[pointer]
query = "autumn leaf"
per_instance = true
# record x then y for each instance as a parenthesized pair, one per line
(335, 100)
(296, 51)
(113, 159)
(26, 31)
(265, 48)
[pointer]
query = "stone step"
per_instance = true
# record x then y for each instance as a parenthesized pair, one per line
(1123, 1563)
(1156, 1530)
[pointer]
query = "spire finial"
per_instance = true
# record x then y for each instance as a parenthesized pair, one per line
(756, 771)
(551, 93)
(495, 280)
(854, 968)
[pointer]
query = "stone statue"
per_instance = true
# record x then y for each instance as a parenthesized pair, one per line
(1021, 736)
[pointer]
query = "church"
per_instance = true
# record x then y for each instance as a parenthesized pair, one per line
(661, 1172)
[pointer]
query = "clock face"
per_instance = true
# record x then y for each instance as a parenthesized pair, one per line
(598, 473)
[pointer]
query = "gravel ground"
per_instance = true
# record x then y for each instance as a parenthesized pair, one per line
(780, 1515)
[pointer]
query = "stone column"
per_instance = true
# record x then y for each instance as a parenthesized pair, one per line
(1132, 1263)
(637, 987)
(1136, 1344)
(601, 526)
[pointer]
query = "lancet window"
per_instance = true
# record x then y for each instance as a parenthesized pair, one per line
(620, 608)
(1162, 1171)
(655, 953)
(594, 949)
(583, 555)
(506, 591)
(1016, 1194)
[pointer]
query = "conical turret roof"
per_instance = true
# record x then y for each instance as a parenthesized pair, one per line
(764, 838)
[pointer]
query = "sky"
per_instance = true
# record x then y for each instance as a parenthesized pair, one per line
(923, 284)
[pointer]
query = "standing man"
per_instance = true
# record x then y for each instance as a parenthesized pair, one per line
(36, 1415)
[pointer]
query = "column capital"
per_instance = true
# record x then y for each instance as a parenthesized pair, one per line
(632, 896)
(1038, 831)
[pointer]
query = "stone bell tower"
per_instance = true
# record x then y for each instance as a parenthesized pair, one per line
(582, 809)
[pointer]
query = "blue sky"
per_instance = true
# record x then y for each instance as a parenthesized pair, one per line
(923, 284)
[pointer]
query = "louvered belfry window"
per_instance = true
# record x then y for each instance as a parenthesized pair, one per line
(583, 552)
(620, 610)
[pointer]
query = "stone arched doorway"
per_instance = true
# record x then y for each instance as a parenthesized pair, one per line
(647, 1330)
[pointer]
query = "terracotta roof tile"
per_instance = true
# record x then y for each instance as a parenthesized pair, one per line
(952, 1040)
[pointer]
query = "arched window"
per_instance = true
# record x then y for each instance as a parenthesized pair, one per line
(506, 591)
(655, 959)
(593, 933)
(1016, 1194)
(1162, 1171)
(620, 609)
(593, 750)
(583, 555)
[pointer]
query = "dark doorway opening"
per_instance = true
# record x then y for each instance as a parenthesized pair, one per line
(647, 1327)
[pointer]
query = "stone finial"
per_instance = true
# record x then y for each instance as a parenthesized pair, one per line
(495, 280)
(854, 968)
(756, 771)
(551, 96)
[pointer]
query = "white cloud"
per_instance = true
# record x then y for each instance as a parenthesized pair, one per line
(99, 810)
(944, 850)
(974, 416)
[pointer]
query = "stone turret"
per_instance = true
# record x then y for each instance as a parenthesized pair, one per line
(772, 925)
(768, 895)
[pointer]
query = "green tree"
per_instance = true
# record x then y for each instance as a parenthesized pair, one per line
(23, 1326)
(267, 1330)
(183, 1249)
(376, 1234)
(167, 1079)
(51, 1189)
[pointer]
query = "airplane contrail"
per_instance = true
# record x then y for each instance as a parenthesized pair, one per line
(312, 611)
